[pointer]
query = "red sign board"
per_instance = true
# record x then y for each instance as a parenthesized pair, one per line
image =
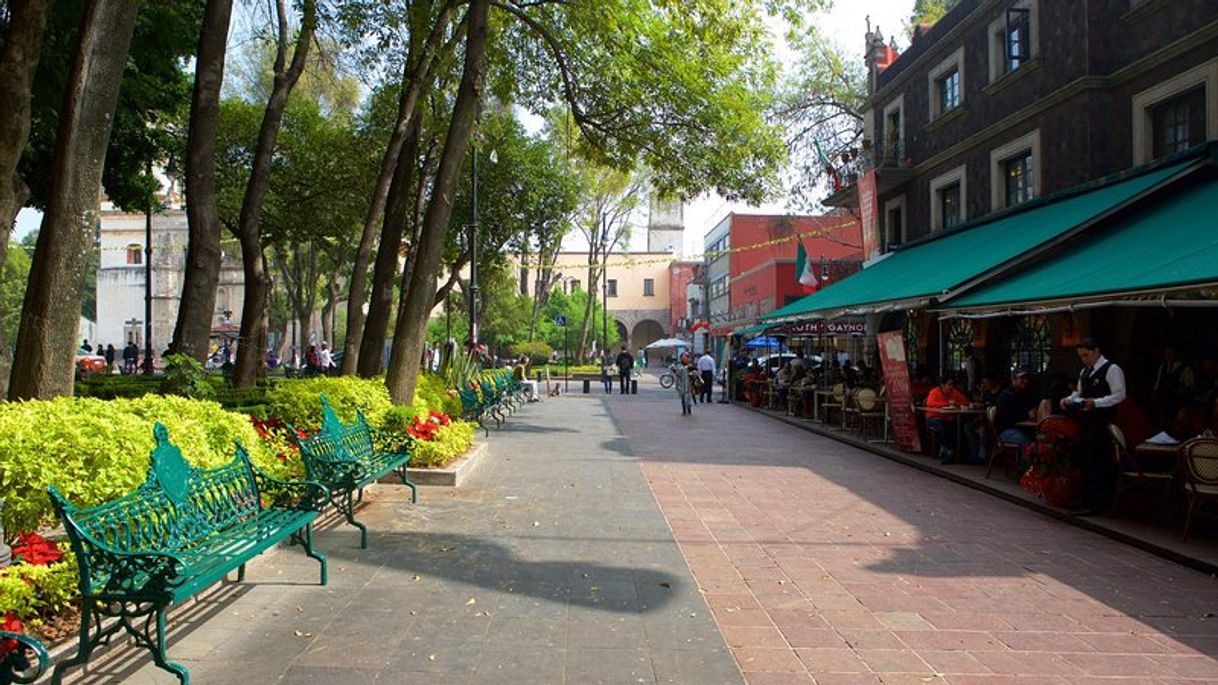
(869, 214)
(900, 396)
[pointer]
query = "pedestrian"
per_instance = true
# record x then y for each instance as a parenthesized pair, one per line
(85, 347)
(683, 382)
(695, 378)
(325, 358)
(624, 362)
(1100, 388)
(607, 373)
(131, 354)
(311, 359)
(110, 357)
(706, 369)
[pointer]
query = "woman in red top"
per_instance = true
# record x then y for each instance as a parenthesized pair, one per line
(943, 396)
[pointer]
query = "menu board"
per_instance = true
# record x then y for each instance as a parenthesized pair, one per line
(900, 397)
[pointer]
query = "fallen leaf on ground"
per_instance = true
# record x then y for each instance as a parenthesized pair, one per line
(471, 602)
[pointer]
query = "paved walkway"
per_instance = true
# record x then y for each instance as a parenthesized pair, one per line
(825, 563)
(554, 565)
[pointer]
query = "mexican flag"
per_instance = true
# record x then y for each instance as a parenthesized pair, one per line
(803, 267)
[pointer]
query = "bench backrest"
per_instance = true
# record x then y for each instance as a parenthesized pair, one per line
(176, 506)
(336, 442)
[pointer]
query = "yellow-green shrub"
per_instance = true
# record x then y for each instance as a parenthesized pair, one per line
(451, 441)
(298, 401)
(28, 591)
(96, 450)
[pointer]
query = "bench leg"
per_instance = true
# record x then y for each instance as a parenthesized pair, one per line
(414, 490)
(313, 553)
(241, 573)
(88, 616)
(346, 505)
(159, 655)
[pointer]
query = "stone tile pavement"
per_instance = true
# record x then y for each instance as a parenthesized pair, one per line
(553, 565)
(824, 563)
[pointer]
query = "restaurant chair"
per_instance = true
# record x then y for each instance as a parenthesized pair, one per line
(1009, 452)
(1200, 476)
(871, 408)
(1129, 469)
(838, 401)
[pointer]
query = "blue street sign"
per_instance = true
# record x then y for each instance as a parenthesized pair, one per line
(560, 320)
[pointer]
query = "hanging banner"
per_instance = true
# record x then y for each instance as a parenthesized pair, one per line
(900, 396)
(869, 214)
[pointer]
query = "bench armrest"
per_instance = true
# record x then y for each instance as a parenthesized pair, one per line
(16, 667)
(284, 494)
(132, 573)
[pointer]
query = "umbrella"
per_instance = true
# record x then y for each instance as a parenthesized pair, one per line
(765, 341)
(668, 342)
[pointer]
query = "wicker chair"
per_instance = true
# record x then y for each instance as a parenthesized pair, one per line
(1200, 475)
(838, 402)
(871, 408)
(1129, 470)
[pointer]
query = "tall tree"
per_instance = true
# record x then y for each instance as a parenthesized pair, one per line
(418, 72)
(192, 332)
(257, 283)
(418, 296)
(43, 364)
(605, 226)
(27, 20)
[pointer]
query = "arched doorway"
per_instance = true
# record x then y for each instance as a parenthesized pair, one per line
(623, 334)
(646, 332)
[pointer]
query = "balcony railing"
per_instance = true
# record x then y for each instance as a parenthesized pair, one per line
(880, 156)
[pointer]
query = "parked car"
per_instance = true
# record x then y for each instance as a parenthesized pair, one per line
(773, 362)
(87, 364)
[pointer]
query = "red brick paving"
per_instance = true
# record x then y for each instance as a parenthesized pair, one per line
(823, 563)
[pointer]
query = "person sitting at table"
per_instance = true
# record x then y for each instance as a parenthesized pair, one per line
(782, 381)
(751, 379)
(1016, 404)
(944, 396)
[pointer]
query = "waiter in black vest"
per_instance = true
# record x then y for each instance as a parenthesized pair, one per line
(1101, 387)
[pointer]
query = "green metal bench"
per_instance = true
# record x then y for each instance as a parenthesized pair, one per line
(474, 409)
(17, 666)
(180, 532)
(348, 457)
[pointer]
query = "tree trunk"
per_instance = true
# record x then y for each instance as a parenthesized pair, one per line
(417, 74)
(328, 309)
(192, 333)
(410, 330)
(46, 341)
(401, 208)
(253, 315)
(18, 62)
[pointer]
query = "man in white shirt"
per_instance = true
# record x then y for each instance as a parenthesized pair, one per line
(706, 367)
(1100, 388)
(325, 358)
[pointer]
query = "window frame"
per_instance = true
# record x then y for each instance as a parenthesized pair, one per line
(935, 79)
(611, 287)
(649, 287)
(1143, 103)
(887, 150)
(135, 254)
(897, 203)
(998, 37)
(999, 156)
(939, 183)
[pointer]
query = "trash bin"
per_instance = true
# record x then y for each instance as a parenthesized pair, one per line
(587, 386)
(634, 387)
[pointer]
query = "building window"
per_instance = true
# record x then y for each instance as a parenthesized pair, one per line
(959, 336)
(946, 84)
(649, 287)
(1178, 123)
(948, 194)
(894, 222)
(135, 254)
(1017, 175)
(1179, 112)
(611, 287)
(949, 205)
(892, 150)
(1032, 345)
(1013, 37)
(573, 284)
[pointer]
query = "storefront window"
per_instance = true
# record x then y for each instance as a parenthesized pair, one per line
(1032, 344)
(959, 336)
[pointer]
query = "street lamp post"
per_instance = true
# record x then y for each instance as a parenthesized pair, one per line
(148, 279)
(473, 255)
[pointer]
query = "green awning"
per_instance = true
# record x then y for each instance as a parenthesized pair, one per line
(749, 331)
(929, 269)
(1170, 244)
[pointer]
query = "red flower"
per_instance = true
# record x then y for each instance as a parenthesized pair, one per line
(11, 624)
(33, 549)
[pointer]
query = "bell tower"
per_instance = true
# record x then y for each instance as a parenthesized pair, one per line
(665, 225)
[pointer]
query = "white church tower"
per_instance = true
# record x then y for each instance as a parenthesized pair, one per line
(666, 225)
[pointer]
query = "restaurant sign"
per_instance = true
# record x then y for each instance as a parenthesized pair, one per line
(824, 327)
(900, 394)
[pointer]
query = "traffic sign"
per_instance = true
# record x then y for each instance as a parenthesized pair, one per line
(560, 320)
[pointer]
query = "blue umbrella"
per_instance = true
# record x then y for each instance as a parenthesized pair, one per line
(766, 341)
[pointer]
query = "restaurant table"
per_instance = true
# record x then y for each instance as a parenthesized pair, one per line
(960, 412)
(823, 392)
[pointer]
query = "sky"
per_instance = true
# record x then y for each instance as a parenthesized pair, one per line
(847, 21)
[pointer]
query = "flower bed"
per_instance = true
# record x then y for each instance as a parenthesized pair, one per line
(37, 592)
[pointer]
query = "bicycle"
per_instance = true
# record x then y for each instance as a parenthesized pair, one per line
(667, 379)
